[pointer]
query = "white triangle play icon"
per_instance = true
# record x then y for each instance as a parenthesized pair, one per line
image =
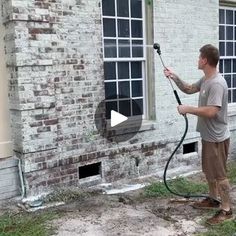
(117, 118)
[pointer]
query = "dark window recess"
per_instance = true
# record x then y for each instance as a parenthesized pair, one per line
(89, 170)
(189, 147)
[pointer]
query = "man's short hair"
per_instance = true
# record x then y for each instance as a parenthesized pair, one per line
(211, 53)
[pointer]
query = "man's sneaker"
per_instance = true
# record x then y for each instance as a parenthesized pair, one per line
(206, 203)
(220, 216)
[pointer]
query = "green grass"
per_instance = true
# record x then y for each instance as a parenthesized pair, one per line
(65, 195)
(227, 228)
(184, 186)
(232, 172)
(179, 185)
(27, 224)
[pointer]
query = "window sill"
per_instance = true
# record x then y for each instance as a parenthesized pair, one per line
(131, 127)
(232, 109)
(232, 115)
(147, 125)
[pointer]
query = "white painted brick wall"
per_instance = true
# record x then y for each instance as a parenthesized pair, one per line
(181, 28)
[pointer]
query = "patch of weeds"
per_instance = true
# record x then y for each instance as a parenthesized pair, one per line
(179, 185)
(27, 224)
(227, 228)
(232, 172)
(65, 195)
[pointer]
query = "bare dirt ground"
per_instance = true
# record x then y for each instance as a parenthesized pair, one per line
(129, 214)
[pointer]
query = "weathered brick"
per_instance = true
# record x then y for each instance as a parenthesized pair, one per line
(53, 181)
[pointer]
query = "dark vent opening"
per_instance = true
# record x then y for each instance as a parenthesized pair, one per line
(89, 170)
(189, 147)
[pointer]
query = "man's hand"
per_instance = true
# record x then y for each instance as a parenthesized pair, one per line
(169, 73)
(183, 109)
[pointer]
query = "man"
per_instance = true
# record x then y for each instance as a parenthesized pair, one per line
(212, 125)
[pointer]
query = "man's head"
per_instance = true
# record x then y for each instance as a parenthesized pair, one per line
(209, 55)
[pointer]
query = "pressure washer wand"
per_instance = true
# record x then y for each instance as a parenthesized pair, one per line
(156, 46)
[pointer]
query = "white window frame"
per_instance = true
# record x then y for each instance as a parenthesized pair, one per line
(225, 47)
(129, 59)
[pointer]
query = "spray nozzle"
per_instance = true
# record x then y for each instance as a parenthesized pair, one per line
(157, 47)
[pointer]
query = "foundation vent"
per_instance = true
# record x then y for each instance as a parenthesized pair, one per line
(89, 170)
(189, 147)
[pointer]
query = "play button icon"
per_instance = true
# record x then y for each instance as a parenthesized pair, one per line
(117, 118)
(118, 122)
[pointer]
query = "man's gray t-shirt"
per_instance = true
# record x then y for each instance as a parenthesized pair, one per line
(213, 92)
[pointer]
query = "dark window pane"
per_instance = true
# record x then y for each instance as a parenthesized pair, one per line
(124, 107)
(109, 70)
(234, 49)
(234, 81)
(108, 7)
(123, 28)
(124, 48)
(228, 80)
(222, 48)
(123, 8)
(123, 70)
(137, 88)
(137, 28)
(109, 27)
(110, 48)
(229, 17)
(234, 65)
(222, 32)
(222, 16)
(137, 107)
(234, 95)
(229, 33)
(137, 48)
(110, 90)
(136, 69)
(124, 89)
(227, 66)
(136, 8)
(229, 96)
(229, 49)
(221, 66)
(109, 107)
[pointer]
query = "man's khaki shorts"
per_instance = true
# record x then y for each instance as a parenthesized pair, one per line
(214, 159)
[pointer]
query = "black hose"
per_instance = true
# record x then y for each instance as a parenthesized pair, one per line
(187, 196)
(171, 156)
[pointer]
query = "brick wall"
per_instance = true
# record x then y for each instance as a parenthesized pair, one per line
(54, 58)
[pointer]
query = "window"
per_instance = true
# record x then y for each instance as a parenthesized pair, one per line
(227, 47)
(124, 56)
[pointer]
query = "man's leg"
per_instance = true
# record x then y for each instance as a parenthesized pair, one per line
(213, 189)
(208, 157)
(225, 211)
(224, 191)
